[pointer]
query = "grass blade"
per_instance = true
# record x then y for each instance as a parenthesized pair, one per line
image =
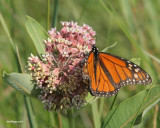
(11, 41)
(16, 80)
(6, 30)
(153, 57)
(112, 12)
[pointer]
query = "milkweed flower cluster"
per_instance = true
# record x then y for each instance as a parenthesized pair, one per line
(58, 73)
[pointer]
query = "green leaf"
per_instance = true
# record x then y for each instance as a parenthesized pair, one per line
(111, 46)
(124, 113)
(21, 82)
(37, 33)
(90, 98)
(139, 119)
(136, 61)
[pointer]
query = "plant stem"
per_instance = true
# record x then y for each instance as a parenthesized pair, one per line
(54, 22)
(101, 106)
(113, 101)
(96, 116)
(52, 121)
(59, 120)
(155, 116)
(31, 116)
(70, 118)
(48, 14)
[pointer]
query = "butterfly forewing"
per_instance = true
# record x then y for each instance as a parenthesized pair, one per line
(124, 72)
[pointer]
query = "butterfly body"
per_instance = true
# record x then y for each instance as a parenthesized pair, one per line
(107, 73)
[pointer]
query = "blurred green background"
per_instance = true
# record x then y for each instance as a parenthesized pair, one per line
(134, 25)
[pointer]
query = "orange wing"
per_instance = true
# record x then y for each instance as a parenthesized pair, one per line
(108, 73)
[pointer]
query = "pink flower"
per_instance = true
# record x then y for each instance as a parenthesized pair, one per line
(59, 71)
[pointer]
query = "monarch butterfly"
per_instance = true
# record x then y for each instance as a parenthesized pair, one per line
(107, 73)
